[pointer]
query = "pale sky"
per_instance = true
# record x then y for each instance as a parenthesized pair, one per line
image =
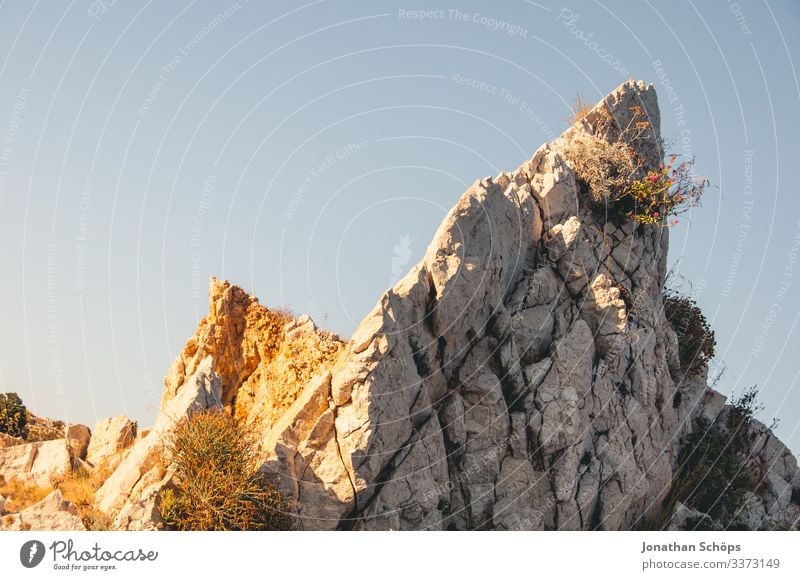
(308, 152)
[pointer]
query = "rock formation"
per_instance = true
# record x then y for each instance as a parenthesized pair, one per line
(51, 513)
(503, 383)
(109, 438)
(35, 463)
(522, 376)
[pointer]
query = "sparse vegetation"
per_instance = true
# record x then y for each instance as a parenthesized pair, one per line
(580, 108)
(43, 429)
(603, 169)
(622, 184)
(79, 487)
(696, 339)
(20, 495)
(13, 415)
(218, 485)
(714, 475)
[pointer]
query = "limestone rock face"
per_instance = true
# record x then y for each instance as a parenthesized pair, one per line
(51, 513)
(521, 376)
(504, 382)
(110, 436)
(686, 518)
(263, 357)
(35, 463)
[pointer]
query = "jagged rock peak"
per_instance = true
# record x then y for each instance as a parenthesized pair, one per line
(262, 355)
(521, 376)
(504, 383)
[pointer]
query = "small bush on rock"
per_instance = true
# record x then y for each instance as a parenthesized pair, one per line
(620, 182)
(714, 475)
(218, 485)
(660, 196)
(13, 415)
(696, 339)
(42, 429)
(603, 169)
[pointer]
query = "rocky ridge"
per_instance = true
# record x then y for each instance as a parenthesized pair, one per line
(522, 376)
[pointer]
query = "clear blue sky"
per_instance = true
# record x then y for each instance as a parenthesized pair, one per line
(308, 152)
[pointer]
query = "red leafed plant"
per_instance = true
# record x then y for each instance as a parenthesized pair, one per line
(660, 196)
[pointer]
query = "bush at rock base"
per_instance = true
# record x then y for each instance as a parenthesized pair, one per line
(713, 474)
(13, 415)
(218, 485)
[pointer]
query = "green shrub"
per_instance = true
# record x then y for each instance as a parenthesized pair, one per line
(744, 408)
(218, 485)
(696, 339)
(13, 415)
(714, 476)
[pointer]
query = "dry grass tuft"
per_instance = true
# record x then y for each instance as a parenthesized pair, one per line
(79, 487)
(20, 495)
(580, 108)
(604, 169)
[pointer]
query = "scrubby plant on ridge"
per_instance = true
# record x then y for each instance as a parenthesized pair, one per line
(579, 109)
(218, 485)
(619, 182)
(603, 169)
